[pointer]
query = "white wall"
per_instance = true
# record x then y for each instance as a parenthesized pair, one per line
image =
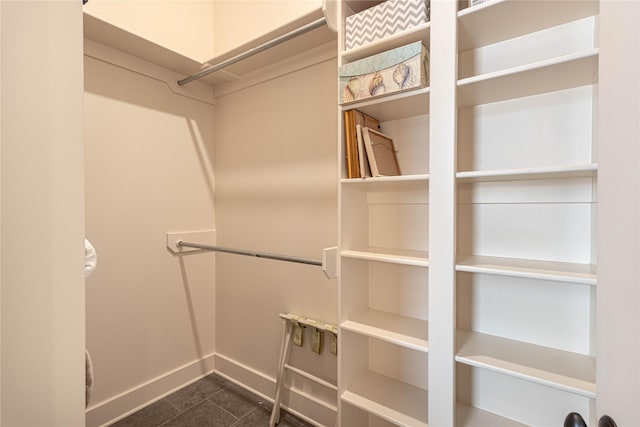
(619, 209)
(42, 279)
(276, 191)
(149, 155)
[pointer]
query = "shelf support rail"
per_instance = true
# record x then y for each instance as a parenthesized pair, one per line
(327, 263)
(253, 51)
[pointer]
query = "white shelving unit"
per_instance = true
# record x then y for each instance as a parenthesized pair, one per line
(384, 262)
(526, 193)
(513, 304)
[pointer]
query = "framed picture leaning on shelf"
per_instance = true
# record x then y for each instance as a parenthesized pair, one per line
(381, 153)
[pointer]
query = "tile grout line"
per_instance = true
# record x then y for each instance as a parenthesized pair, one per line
(218, 406)
(246, 415)
(180, 412)
(221, 389)
(254, 404)
(199, 403)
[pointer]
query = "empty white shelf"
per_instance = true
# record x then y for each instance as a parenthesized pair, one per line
(533, 269)
(395, 256)
(468, 416)
(401, 330)
(478, 26)
(560, 369)
(397, 402)
(572, 171)
(565, 72)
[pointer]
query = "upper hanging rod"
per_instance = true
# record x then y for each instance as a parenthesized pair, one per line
(180, 243)
(278, 40)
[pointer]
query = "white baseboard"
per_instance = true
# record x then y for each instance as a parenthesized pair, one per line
(136, 398)
(300, 403)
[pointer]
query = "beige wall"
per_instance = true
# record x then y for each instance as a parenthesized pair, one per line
(150, 164)
(42, 370)
(240, 21)
(150, 170)
(276, 191)
(149, 314)
(200, 29)
(184, 26)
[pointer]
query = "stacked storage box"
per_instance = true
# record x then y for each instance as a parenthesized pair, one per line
(388, 72)
(384, 20)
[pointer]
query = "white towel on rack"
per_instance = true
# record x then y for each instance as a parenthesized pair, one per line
(88, 378)
(90, 258)
(90, 262)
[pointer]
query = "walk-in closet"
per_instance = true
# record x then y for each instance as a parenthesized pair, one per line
(363, 213)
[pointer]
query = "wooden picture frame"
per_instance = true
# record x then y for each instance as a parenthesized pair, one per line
(353, 118)
(381, 153)
(365, 169)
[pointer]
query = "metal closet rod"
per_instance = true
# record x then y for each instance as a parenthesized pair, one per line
(268, 45)
(288, 258)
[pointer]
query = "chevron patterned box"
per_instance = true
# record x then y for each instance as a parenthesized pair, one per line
(383, 20)
(395, 70)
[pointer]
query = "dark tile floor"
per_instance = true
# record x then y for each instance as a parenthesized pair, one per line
(210, 402)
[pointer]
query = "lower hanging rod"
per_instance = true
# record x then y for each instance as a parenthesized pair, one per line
(268, 45)
(288, 258)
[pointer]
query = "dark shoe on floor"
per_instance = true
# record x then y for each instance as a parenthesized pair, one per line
(574, 420)
(606, 421)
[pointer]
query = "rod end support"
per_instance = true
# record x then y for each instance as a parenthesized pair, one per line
(330, 262)
(207, 237)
